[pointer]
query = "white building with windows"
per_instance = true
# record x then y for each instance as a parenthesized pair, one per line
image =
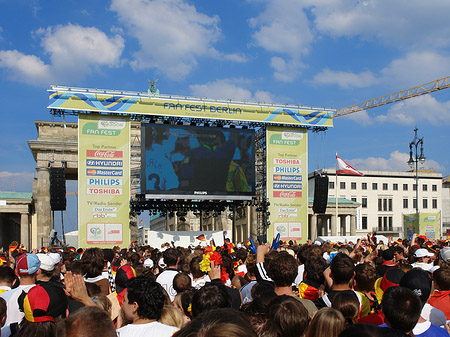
(384, 198)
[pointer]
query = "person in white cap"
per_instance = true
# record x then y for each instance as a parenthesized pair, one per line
(423, 257)
(47, 267)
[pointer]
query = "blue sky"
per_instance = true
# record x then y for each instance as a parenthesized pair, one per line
(321, 53)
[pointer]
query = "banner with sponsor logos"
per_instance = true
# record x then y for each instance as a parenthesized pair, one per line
(429, 225)
(96, 100)
(287, 191)
(103, 181)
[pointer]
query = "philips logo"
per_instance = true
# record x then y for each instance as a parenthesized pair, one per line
(201, 192)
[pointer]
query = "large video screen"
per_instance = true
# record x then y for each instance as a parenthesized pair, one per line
(197, 162)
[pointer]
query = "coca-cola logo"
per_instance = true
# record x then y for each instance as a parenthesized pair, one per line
(103, 154)
(287, 194)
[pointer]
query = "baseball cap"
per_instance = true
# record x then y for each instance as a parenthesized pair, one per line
(422, 252)
(148, 263)
(123, 275)
(419, 282)
(44, 302)
(47, 262)
(390, 279)
(55, 257)
(27, 264)
(445, 254)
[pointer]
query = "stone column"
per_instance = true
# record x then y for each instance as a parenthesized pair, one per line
(25, 230)
(343, 227)
(352, 224)
(44, 221)
(333, 225)
(313, 223)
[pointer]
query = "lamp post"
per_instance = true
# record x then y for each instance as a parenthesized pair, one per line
(414, 160)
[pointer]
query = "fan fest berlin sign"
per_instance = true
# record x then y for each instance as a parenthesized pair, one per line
(103, 181)
(140, 103)
(287, 164)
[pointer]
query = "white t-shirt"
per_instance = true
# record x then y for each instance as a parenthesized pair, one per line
(166, 280)
(144, 330)
(14, 315)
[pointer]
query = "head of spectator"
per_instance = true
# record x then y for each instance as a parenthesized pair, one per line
(391, 278)
(441, 279)
(171, 257)
(399, 253)
(289, 317)
(87, 322)
(211, 296)
(348, 304)
(388, 254)
(365, 277)
(47, 267)
(314, 268)
(27, 267)
(181, 282)
(123, 275)
(172, 316)
(327, 322)
(103, 302)
(419, 282)
(144, 300)
(283, 270)
(422, 255)
(444, 257)
(42, 305)
(221, 322)
(370, 330)
(93, 262)
(194, 267)
(401, 308)
(342, 270)
(7, 278)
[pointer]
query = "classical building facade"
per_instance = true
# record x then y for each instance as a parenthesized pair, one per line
(384, 197)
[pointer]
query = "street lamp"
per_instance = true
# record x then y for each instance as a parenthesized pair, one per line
(414, 160)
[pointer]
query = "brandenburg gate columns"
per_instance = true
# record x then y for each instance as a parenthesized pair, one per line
(43, 209)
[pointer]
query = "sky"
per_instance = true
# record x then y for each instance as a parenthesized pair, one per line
(321, 53)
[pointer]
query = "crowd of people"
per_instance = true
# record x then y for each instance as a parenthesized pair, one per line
(315, 289)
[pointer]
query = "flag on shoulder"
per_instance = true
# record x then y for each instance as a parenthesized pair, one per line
(343, 168)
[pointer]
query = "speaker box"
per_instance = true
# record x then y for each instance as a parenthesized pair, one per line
(320, 194)
(58, 188)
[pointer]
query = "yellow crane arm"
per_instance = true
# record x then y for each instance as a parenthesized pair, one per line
(442, 83)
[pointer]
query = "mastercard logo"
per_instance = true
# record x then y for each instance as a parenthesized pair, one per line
(91, 172)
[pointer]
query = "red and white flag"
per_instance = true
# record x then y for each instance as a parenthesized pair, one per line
(343, 168)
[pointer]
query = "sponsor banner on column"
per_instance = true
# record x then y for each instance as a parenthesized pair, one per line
(287, 191)
(103, 181)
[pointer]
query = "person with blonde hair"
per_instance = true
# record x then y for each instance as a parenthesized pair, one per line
(171, 316)
(327, 322)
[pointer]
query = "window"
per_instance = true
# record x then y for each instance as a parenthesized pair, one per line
(380, 223)
(385, 186)
(395, 187)
(434, 188)
(405, 187)
(353, 199)
(425, 203)
(385, 205)
(364, 186)
(380, 205)
(414, 187)
(424, 187)
(374, 186)
(364, 222)
(364, 202)
(331, 185)
(405, 203)
(390, 224)
(342, 185)
(390, 205)
(385, 223)
(414, 203)
(353, 186)
(434, 203)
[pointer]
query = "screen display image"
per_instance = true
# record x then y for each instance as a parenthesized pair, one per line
(197, 162)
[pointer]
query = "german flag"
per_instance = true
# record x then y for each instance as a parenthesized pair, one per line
(201, 237)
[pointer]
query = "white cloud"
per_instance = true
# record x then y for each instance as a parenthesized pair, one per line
(18, 181)
(172, 35)
(74, 52)
(360, 117)
(400, 23)
(230, 89)
(415, 68)
(397, 161)
(417, 110)
(345, 80)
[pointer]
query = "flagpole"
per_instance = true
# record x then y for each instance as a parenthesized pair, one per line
(337, 199)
